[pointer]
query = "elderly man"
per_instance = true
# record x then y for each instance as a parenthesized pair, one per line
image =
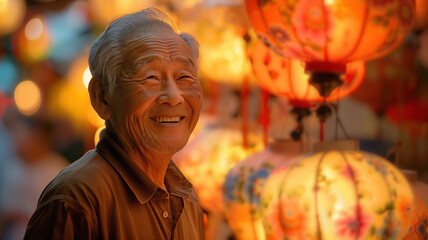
(145, 87)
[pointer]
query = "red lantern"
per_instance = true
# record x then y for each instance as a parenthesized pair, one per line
(327, 34)
(286, 77)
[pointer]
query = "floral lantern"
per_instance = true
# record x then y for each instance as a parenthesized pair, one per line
(206, 160)
(339, 194)
(286, 77)
(327, 34)
(244, 184)
(220, 30)
(419, 228)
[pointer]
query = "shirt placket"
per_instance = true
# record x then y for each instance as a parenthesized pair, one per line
(162, 203)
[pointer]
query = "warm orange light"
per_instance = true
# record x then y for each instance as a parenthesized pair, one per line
(34, 40)
(12, 13)
(87, 76)
(338, 195)
(287, 78)
(220, 32)
(332, 30)
(105, 11)
(245, 182)
(206, 160)
(27, 97)
(97, 134)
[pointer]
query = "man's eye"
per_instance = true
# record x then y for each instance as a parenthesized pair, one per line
(154, 77)
(184, 77)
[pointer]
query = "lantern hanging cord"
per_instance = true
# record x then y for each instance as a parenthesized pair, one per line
(339, 121)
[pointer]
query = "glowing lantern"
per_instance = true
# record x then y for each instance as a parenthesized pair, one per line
(419, 229)
(244, 184)
(34, 41)
(286, 77)
(220, 31)
(206, 160)
(327, 34)
(105, 11)
(421, 18)
(12, 14)
(339, 195)
(27, 97)
(69, 97)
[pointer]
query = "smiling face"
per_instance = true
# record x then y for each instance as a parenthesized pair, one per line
(156, 108)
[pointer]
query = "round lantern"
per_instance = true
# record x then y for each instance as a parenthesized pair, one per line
(419, 228)
(244, 184)
(220, 30)
(339, 195)
(286, 77)
(206, 160)
(12, 14)
(327, 34)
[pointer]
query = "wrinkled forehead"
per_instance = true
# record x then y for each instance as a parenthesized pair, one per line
(165, 44)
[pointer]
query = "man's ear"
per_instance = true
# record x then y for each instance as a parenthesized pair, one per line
(99, 100)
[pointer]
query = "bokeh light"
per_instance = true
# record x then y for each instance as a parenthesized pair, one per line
(34, 29)
(87, 76)
(12, 13)
(9, 74)
(27, 97)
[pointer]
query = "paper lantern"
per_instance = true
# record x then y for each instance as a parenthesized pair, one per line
(419, 228)
(220, 31)
(327, 34)
(12, 14)
(244, 184)
(339, 195)
(206, 160)
(286, 77)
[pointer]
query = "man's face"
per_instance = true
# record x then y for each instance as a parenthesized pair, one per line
(156, 109)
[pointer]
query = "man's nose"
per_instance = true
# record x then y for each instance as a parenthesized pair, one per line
(170, 93)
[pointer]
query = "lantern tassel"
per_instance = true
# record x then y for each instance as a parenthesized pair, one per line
(244, 112)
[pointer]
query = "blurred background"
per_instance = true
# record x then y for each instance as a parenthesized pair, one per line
(47, 122)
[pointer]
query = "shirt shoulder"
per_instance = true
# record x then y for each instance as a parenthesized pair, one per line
(83, 182)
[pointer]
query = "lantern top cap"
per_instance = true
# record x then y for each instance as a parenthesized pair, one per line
(339, 145)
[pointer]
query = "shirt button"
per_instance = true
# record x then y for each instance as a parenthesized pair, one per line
(165, 214)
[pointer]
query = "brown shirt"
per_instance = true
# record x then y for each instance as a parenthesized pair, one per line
(104, 195)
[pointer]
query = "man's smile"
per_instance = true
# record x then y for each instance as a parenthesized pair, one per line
(167, 120)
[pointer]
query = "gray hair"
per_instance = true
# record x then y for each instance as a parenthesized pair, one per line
(106, 60)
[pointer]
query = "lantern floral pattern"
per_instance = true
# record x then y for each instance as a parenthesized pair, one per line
(338, 195)
(419, 222)
(245, 182)
(206, 160)
(286, 77)
(331, 30)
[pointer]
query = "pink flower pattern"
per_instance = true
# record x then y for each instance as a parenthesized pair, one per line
(313, 21)
(354, 223)
(406, 12)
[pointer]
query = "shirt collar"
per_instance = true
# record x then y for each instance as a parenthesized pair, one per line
(140, 184)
